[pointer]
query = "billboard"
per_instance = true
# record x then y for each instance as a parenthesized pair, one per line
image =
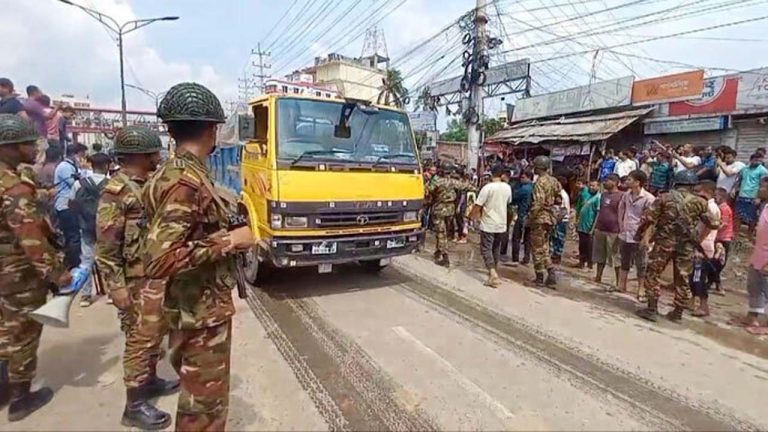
(423, 121)
(753, 90)
(681, 86)
(718, 96)
(606, 94)
(512, 71)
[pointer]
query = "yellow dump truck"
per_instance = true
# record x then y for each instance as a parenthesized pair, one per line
(329, 181)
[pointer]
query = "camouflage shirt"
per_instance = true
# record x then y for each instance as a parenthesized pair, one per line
(120, 226)
(444, 191)
(675, 216)
(546, 193)
(26, 237)
(187, 243)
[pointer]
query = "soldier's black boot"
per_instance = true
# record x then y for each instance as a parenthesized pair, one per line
(140, 414)
(5, 385)
(551, 281)
(25, 402)
(539, 281)
(651, 313)
(437, 255)
(676, 314)
(157, 387)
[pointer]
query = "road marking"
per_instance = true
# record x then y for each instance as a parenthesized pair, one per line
(465, 382)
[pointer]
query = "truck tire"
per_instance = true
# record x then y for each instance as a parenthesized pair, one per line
(373, 266)
(251, 266)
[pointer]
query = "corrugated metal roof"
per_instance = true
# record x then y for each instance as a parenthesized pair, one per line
(590, 128)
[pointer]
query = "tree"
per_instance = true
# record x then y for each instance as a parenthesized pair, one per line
(493, 125)
(393, 90)
(457, 131)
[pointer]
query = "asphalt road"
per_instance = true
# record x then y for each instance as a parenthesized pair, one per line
(418, 347)
(410, 350)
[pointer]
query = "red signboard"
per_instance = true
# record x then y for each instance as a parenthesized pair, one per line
(719, 96)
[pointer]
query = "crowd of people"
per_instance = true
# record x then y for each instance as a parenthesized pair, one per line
(703, 197)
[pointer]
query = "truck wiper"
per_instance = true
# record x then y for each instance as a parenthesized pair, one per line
(394, 156)
(318, 153)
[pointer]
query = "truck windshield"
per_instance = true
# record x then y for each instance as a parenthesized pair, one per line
(306, 132)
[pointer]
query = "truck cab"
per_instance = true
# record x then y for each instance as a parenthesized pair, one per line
(329, 181)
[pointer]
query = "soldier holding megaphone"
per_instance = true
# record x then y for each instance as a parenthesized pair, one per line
(29, 265)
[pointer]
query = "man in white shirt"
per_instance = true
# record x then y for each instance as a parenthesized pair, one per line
(686, 160)
(729, 169)
(491, 208)
(625, 165)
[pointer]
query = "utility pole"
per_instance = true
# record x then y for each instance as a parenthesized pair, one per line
(244, 86)
(477, 93)
(261, 65)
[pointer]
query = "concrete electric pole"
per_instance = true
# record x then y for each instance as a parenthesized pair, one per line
(261, 65)
(477, 93)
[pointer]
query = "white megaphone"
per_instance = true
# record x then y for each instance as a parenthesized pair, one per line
(55, 313)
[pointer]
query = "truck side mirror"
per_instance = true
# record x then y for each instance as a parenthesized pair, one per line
(247, 129)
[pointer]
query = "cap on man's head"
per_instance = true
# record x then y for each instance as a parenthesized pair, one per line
(7, 83)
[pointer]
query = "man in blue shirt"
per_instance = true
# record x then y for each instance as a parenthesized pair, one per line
(66, 175)
(748, 184)
(9, 104)
(522, 197)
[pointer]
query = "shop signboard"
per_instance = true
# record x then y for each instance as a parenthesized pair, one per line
(668, 88)
(605, 94)
(423, 121)
(697, 124)
(718, 96)
(753, 90)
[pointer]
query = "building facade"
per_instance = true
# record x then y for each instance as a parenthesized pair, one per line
(349, 77)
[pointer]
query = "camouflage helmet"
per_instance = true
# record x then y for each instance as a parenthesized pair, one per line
(16, 130)
(448, 167)
(686, 178)
(542, 162)
(137, 139)
(190, 102)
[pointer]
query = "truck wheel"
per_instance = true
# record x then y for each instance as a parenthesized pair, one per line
(373, 266)
(251, 266)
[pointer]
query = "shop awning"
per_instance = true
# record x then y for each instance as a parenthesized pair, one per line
(590, 128)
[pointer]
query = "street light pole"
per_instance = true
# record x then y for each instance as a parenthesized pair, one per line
(120, 31)
(155, 96)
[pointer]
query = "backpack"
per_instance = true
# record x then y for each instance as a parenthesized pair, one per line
(87, 204)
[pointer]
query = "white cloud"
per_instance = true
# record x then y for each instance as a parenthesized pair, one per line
(63, 50)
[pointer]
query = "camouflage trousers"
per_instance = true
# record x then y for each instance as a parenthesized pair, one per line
(682, 259)
(20, 334)
(441, 217)
(144, 327)
(540, 234)
(201, 358)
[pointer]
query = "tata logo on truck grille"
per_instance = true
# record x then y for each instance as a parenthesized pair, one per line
(362, 220)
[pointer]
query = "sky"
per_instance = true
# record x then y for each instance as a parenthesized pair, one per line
(67, 51)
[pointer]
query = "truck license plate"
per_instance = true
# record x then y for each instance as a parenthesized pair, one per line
(324, 248)
(395, 243)
(324, 268)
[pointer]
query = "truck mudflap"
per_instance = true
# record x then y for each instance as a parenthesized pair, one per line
(290, 252)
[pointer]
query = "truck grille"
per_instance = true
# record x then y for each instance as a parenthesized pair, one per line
(337, 220)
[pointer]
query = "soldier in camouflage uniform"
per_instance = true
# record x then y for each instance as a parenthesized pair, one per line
(542, 218)
(189, 244)
(675, 216)
(120, 226)
(28, 266)
(443, 192)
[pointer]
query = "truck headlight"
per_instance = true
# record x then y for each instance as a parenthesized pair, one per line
(296, 222)
(410, 216)
(276, 221)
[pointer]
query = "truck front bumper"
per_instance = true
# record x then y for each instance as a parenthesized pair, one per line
(303, 252)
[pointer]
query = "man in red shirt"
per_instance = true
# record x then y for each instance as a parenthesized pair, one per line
(724, 234)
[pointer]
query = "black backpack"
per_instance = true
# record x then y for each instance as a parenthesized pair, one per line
(87, 204)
